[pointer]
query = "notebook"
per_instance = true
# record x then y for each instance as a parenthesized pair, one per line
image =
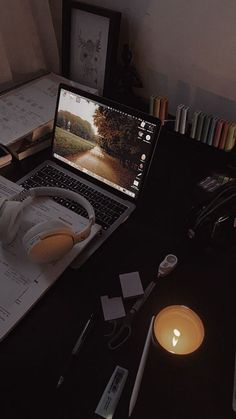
(101, 149)
(23, 282)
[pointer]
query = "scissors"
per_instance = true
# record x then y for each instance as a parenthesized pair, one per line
(120, 331)
(121, 328)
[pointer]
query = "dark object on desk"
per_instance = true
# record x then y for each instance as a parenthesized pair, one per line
(76, 349)
(213, 221)
(5, 156)
(121, 328)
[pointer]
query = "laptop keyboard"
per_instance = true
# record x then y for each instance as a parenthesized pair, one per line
(107, 210)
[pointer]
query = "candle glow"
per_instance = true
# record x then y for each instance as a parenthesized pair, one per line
(178, 329)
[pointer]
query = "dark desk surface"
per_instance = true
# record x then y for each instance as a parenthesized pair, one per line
(196, 386)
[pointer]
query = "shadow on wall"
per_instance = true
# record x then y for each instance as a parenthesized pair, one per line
(214, 104)
(159, 84)
(182, 92)
(156, 83)
(204, 100)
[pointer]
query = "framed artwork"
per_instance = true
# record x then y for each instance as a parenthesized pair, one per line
(90, 39)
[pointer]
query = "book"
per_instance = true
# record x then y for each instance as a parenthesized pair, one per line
(218, 131)
(194, 124)
(178, 117)
(39, 139)
(24, 282)
(224, 134)
(231, 137)
(211, 131)
(5, 156)
(163, 109)
(26, 147)
(183, 119)
(156, 106)
(200, 123)
(205, 128)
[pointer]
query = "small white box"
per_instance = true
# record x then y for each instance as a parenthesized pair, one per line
(131, 284)
(113, 308)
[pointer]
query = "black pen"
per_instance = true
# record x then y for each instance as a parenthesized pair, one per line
(76, 349)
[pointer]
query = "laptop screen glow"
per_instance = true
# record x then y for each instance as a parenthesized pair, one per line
(104, 142)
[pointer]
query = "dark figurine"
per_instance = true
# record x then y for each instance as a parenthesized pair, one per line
(128, 77)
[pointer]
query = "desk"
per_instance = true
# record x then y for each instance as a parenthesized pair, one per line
(197, 386)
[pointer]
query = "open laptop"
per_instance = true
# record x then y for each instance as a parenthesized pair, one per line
(102, 150)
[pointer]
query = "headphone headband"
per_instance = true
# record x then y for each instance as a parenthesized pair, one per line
(57, 235)
(53, 192)
(27, 195)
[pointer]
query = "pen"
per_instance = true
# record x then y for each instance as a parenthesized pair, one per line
(141, 367)
(75, 349)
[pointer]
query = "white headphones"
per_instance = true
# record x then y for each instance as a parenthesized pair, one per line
(48, 241)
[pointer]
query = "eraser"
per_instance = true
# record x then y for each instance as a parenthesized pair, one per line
(131, 284)
(113, 308)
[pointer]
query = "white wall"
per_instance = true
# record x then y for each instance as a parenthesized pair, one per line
(184, 49)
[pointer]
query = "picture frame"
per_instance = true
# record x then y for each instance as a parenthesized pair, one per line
(90, 39)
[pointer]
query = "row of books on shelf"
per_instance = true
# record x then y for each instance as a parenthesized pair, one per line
(38, 140)
(203, 127)
(207, 129)
(158, 107)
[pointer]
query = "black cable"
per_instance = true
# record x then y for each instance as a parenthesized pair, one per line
(208, 209)
(199, 220)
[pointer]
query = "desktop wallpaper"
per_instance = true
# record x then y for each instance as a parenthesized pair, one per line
(104, 142)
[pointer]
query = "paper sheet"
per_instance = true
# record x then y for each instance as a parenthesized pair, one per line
(23, 282)
(131, 284)
(113, 308)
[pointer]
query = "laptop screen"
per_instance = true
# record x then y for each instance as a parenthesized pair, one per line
(103, 139)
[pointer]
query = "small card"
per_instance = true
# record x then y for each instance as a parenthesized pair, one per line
(113, 308)
(131, 284)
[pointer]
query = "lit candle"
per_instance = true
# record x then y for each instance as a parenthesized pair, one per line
(178, 329)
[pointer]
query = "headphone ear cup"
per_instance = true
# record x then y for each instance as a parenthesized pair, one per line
(10, 216)
(48, 241)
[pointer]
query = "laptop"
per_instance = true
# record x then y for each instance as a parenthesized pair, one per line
(101, 149)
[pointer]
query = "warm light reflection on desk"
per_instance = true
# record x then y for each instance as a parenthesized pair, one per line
(178, 329)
